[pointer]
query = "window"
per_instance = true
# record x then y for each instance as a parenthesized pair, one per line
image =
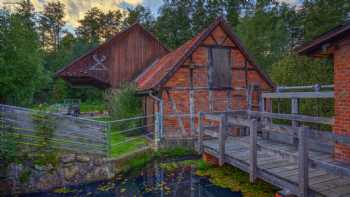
(219, 73)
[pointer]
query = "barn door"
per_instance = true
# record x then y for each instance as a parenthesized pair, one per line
(220, 74)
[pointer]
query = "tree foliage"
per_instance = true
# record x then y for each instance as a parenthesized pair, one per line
(51, 24)
(21, 70)
(97, 26)
(33, 45)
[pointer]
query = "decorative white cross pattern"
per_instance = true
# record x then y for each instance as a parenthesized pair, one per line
(99, 65)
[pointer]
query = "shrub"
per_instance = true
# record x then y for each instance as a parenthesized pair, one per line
(124, 103)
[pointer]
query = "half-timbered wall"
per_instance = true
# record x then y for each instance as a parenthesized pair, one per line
(190, 85)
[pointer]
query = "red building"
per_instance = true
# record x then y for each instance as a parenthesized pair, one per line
(335, 45)
(116, 61)
(210, 72)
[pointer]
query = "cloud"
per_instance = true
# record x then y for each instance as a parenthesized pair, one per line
(76, 9)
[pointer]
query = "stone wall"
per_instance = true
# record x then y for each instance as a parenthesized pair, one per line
(71, 169)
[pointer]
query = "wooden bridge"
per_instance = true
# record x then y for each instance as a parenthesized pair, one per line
(296, 159)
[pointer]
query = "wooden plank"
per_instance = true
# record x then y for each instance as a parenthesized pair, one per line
(253, 150)
(303, 166)
(328, 94)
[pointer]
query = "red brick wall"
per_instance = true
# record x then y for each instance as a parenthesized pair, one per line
(342, 97)
(200, 79)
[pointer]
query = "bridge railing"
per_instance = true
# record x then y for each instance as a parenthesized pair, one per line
(255, 124)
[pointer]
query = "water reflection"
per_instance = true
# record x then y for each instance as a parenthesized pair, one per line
(151, 181)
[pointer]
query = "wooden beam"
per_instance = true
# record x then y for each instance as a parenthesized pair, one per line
(329, 94)
(191, 101)
(293, 117)
(200, 133)
(303, 165)
(244, 69)
(219, 46)
(212, 37)
(210, 74)
(253, 130)
(179, 120)
(222, 136)
(295, 110)
(246, 73)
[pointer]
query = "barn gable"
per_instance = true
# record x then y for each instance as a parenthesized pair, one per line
(163, 69)
(117, 60)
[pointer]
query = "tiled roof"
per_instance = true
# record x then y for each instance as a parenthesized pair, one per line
(161, 70)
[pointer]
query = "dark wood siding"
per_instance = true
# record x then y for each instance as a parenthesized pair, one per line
(220, 75)
(132, 55)
(122, 58)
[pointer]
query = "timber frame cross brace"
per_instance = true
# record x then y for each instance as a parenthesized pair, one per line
(179, 120)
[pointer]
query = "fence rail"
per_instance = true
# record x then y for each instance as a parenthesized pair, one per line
(111, 138)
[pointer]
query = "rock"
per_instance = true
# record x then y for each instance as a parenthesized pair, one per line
(38, 167)
(83, 158)
(71, 172)
(48, 182)
(5, 187)
(69, 158)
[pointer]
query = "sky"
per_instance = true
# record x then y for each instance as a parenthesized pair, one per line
(75, 9)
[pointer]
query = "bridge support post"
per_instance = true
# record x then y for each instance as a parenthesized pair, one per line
(200, 133)
(253, 129)
(222, 138)
(303, 165)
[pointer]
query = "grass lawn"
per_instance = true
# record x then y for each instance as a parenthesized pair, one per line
(122, 144)
(92, 107)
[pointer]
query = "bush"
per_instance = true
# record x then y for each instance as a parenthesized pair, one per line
(123, 103)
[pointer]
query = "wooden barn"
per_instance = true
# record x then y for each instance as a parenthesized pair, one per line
(116, 61)
(335, 45)
(211, 72)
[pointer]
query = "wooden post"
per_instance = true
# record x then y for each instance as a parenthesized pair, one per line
(222, 136)
(295, 110)
(253, 129)
(303, 166)
(109, 139)
(192, 102)
(157, 130)
(200, 133)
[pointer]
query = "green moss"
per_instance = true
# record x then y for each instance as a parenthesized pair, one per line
(24, 176)
(140, 161)
(63, 190)
(180, 164)
(236, 180)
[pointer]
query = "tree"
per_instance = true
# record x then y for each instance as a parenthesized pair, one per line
(51, 24)
(97, 26)
(173, 26)
(21, 70)
(140, 15)
(320, 16)
(265, 32)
